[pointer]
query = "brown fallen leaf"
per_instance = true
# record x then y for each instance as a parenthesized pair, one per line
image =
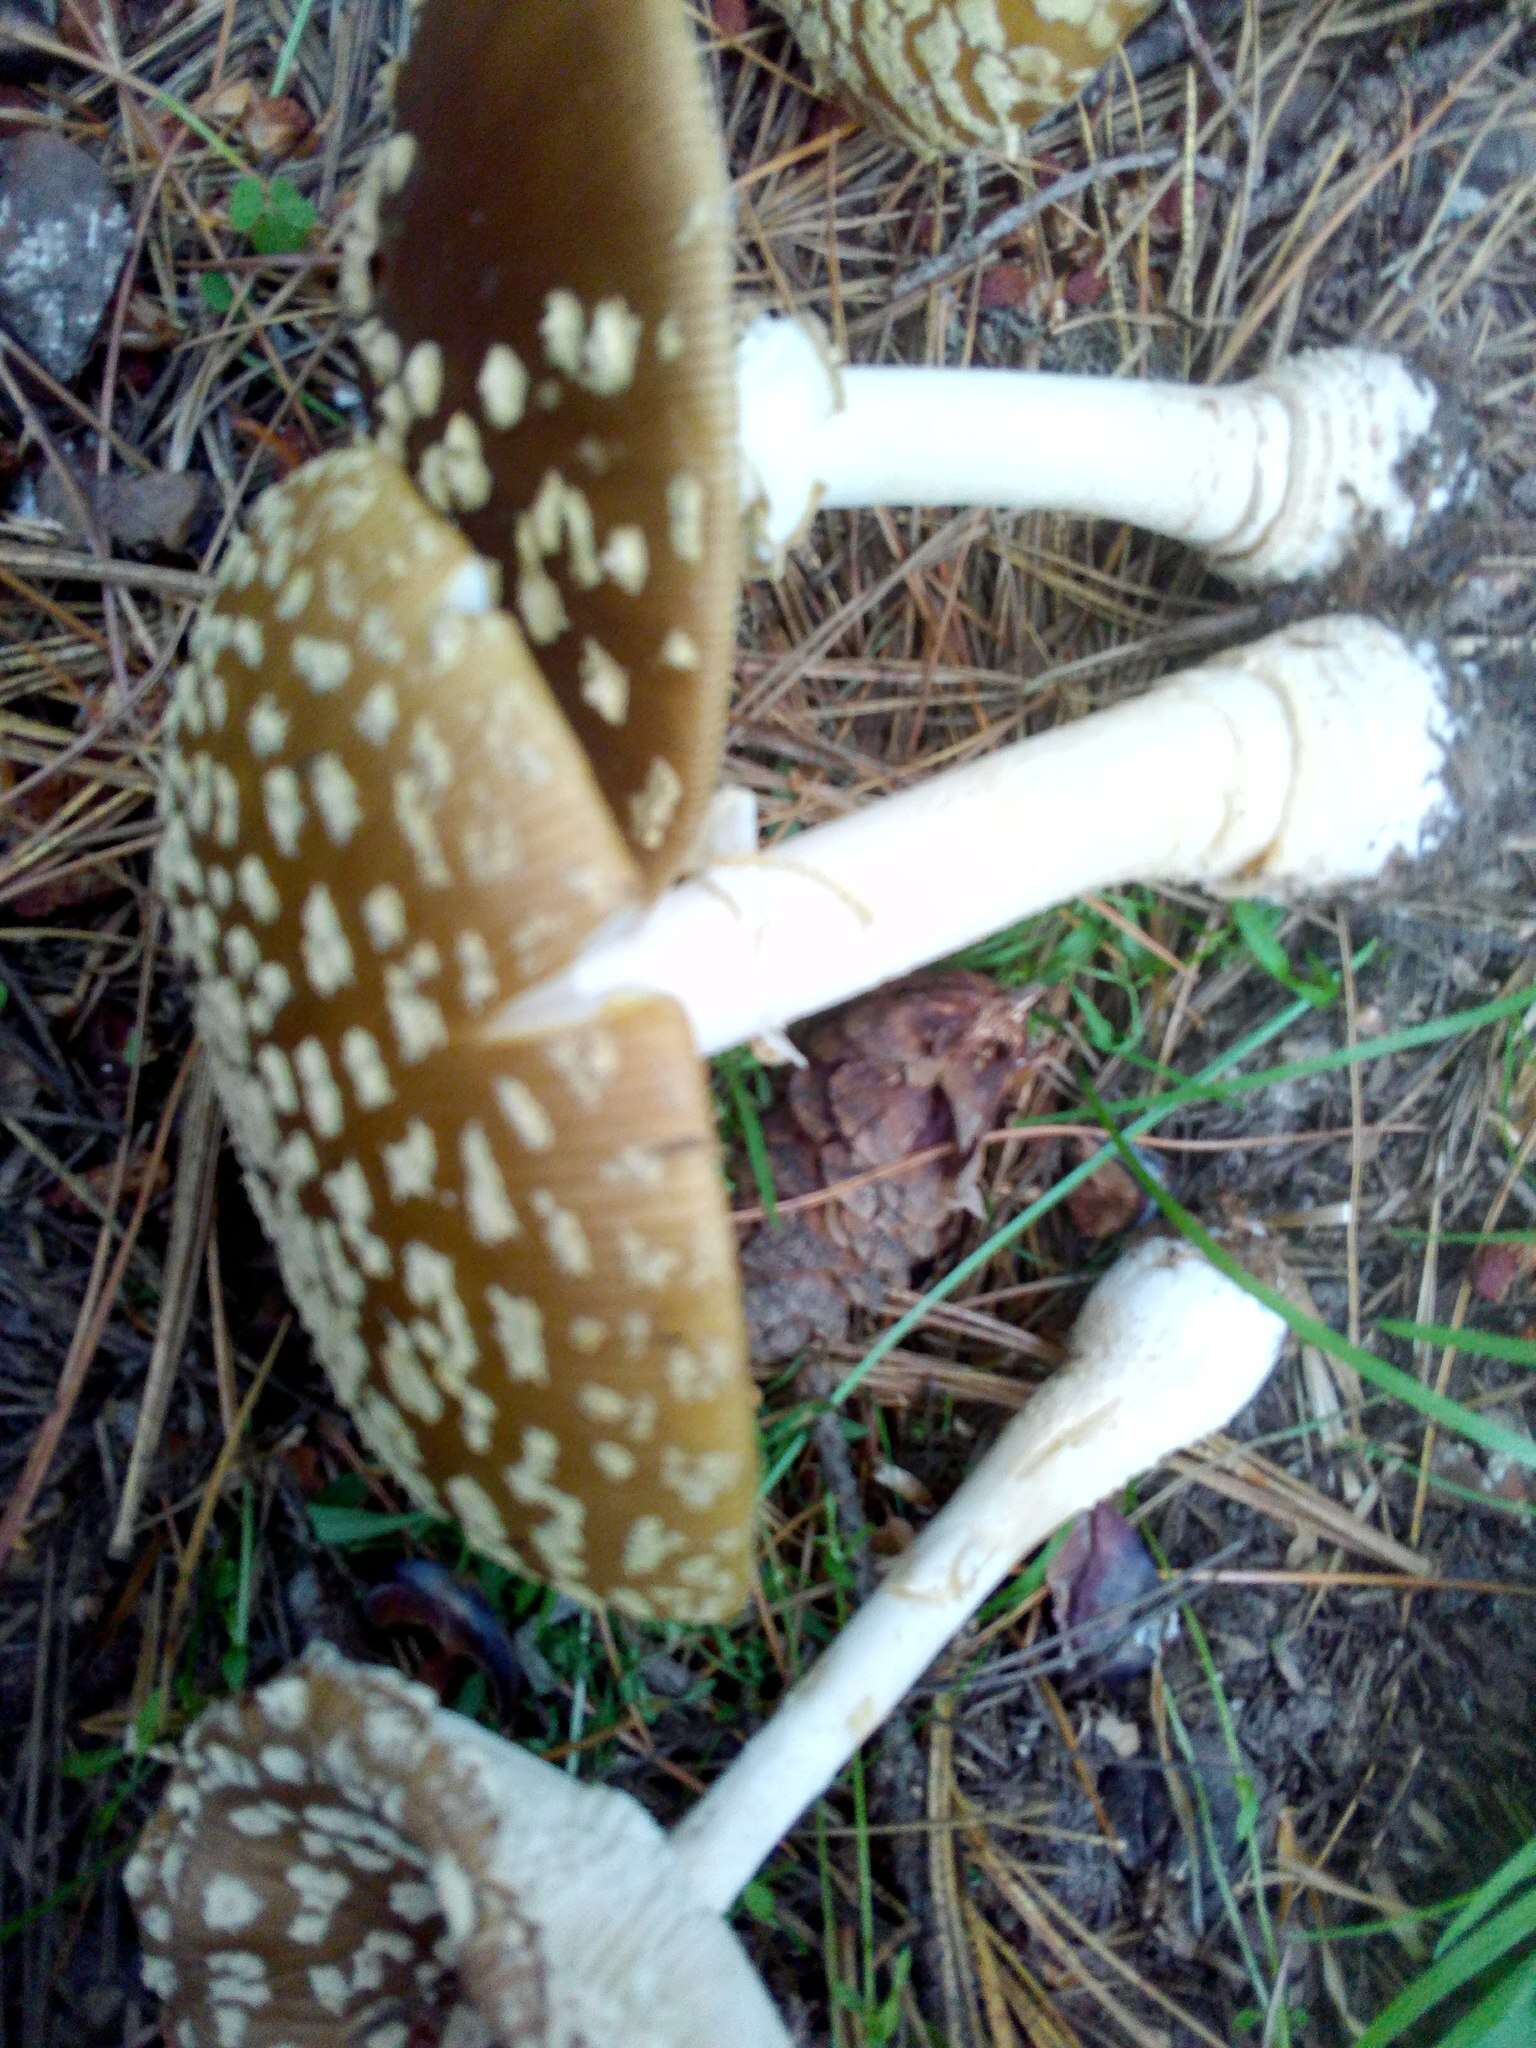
(1085, 286)
(1498, 1269)
(154, 511)
(288, 445)
(926, 1064)
(272, 125)
(228, 102)
(47, 899)
(1099, 1580)
(279, 127)
(1007, 286)
(1109, 1201)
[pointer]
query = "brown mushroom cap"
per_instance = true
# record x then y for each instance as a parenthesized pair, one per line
(551, 332)
(337, 1858)
(513, 1255)
(950, 76)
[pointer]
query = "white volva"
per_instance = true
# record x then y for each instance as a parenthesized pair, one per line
(1166, 1350)
(1274, 478)
(1302, 763)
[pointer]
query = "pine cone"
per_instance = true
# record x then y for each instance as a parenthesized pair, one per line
(909, 1068)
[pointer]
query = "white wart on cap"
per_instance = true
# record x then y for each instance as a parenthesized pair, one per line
(948, 76)
(339, 1861)
(514, 1258)
(546, 259)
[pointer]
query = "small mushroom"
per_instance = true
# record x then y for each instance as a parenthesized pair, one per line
(513, 1254)
(330, 1850)
(596, 285)
(339, 1862)
(1165, 1349)
(951, 76)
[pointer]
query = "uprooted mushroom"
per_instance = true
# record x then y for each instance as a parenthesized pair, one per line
(339, 1862)
(555, 366)
(337, 1857)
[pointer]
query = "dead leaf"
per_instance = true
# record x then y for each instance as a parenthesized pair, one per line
(287, 445)
(1497, 1269)
(1098, 1580)
(925, 1066)
(229, 102)
(1007, 286)
(154, 511)
(277, 127)
(45, 899)
(272, 126)
(1111, 1200)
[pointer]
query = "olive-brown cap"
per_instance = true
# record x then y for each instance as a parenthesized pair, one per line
(513, 1255)
(338, 1861)
(950, 76)
(551, 332)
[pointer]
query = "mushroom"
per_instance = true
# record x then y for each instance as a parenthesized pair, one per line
(1165, 1350)
(338, 1862)
(331, 1849)
(513, 1254)
(951, 76)
(572, 407)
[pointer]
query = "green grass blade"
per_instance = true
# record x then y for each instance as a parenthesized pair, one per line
(1483, 1950)
(1480, 1343)
(1506, 2018)
(754, 1142)
(1211, 1085)
(1387, 1378)
(288, 55)
(210, 137)
(1510, 1875)
(344, 1528)
(1464, 1236)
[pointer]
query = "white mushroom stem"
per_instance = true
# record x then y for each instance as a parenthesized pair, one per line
(1166, 1350)
(1303, 763)
(1275, 478)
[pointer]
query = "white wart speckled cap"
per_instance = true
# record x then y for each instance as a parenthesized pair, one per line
(513, 1254)
(950, 76)
(339, 1862)
(544, 262)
